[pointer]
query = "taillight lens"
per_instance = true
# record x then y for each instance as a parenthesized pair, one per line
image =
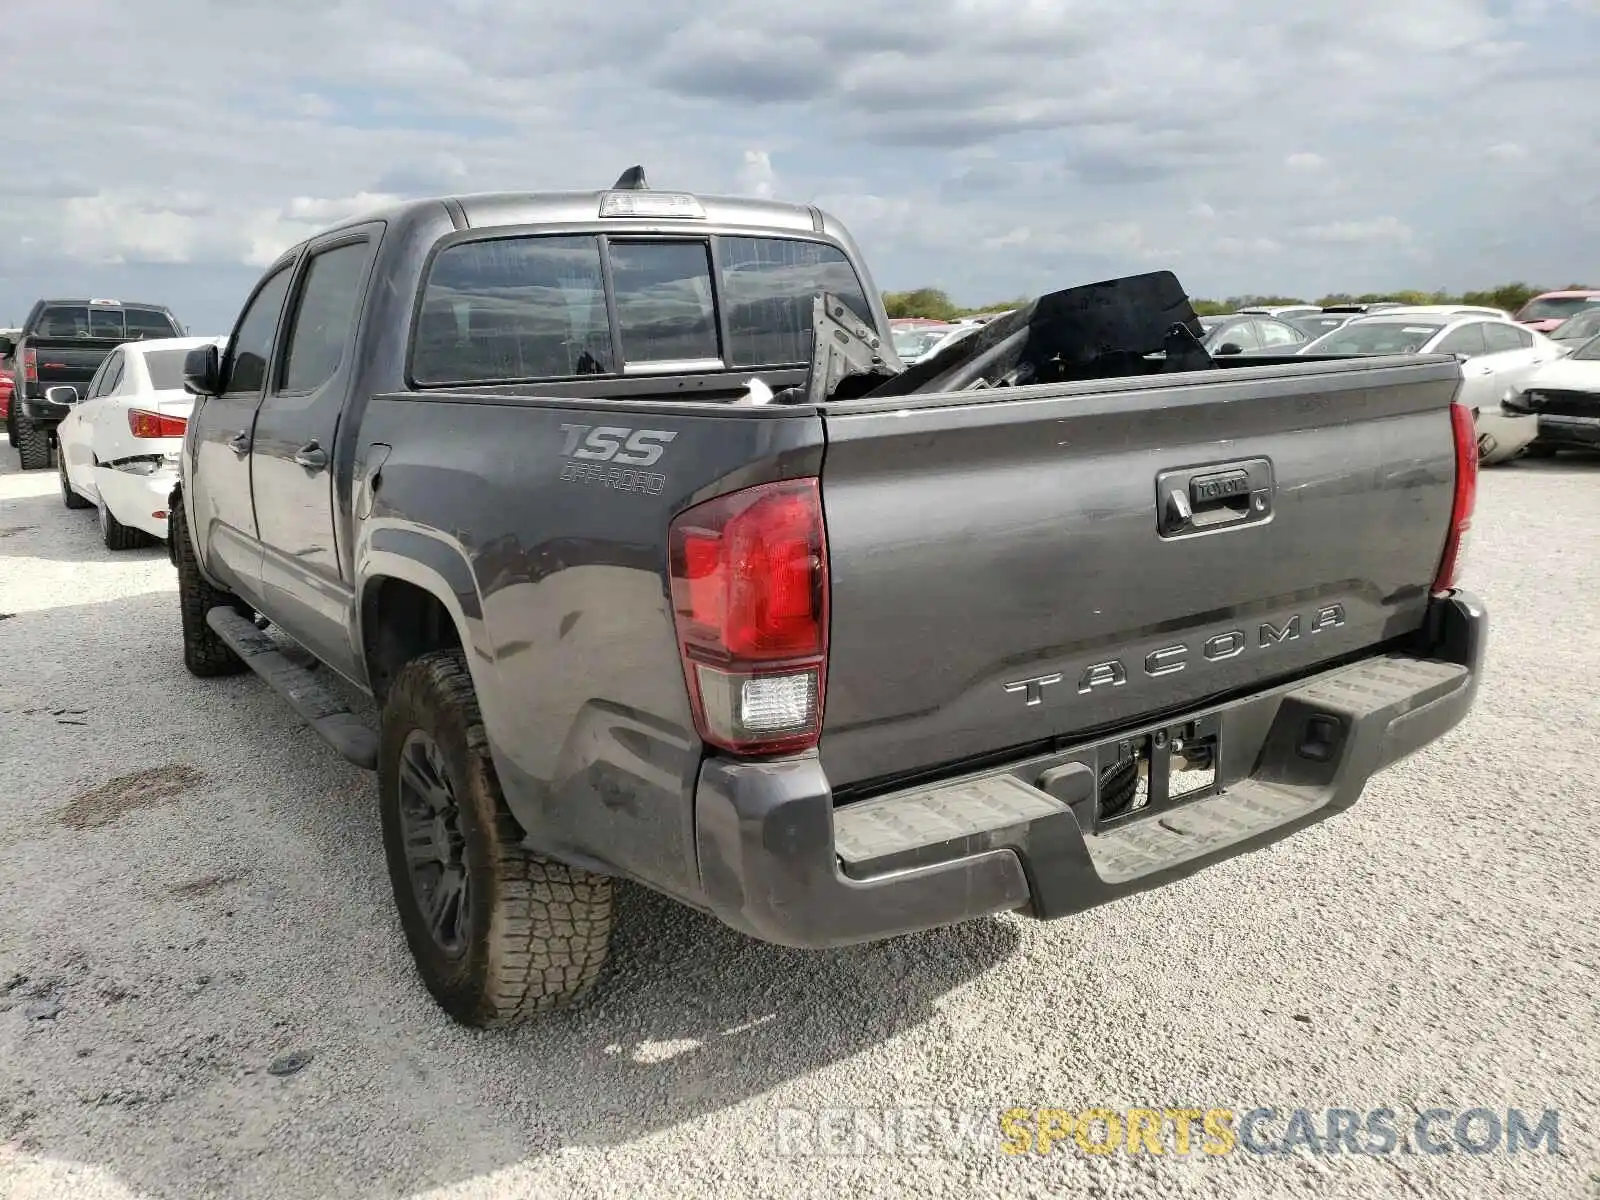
(30, 365)
(155, 425)
(750, 599)
(1465, 500)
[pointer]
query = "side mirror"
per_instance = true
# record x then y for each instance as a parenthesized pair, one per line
(1230, 348)
(7, 346)
(1461, 356)
(61, 393)
(202, 371)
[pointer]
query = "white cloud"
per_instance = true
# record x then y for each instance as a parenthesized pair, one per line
(757, 178)
(1378, 229)
(989, 146)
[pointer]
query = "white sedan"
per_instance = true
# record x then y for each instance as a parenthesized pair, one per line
(1496, 355)
(118, 448)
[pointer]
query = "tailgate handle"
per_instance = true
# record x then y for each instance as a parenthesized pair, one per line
(1215, 496)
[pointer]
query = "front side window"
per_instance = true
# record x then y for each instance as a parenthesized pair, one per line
(665, 310)
(1467, 340)
(767, 289)
(514, 308)
(253, 342)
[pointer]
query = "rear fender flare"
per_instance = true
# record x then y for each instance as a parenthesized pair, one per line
(437, 567)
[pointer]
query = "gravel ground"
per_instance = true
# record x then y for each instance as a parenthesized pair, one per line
(194, 898)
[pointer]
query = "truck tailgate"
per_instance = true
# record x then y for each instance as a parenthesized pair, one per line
(69, 360)
(1077, 557)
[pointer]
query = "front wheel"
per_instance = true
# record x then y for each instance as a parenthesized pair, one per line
(68, 496)
(498, 934)
(204, 653)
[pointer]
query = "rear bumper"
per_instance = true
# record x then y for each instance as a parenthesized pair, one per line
(135, 498)
(769, 837)
(1502, 434)
(1580, 432)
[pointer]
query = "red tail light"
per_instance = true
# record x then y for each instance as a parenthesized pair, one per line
(1466, 499)
(155, 425)
(750, 599)
(30, 365)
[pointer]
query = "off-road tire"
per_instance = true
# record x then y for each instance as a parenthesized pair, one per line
(68, 497)
(115, 534)
(536, 931)
(204, 653)
(11, 425)
(33, 445)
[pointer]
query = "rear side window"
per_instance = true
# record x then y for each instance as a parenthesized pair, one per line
(1501, 337)
(767, 288)
(322, 320)
(165, 368)
(514, 308)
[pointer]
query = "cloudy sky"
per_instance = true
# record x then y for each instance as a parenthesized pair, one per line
(166, 150)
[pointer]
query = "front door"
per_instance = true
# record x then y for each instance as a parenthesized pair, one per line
(221, 519)
(293, 450)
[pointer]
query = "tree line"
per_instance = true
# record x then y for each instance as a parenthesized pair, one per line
(936, 304)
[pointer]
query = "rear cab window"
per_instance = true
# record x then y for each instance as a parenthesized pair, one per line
(105, 321)
(546, 307)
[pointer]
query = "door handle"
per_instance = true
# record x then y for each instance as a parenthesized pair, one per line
(240, 442)
(311, 456)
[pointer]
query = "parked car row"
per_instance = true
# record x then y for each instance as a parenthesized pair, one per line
(96, 386)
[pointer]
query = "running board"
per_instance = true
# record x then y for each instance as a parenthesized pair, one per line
(318, 705)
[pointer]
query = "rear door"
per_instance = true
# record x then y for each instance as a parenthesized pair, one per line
(1513, 354)
(292, 450)
(1478, 371)
(1011, 572)
(218, 493)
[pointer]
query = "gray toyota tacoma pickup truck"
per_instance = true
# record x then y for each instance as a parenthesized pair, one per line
(1066, 612)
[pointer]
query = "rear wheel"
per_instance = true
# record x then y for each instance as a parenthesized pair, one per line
(204, 653)
(116, 535)
(68, 497)
(33, 445)
(498, 934)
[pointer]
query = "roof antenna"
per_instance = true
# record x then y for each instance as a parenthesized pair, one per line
(631, 180)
